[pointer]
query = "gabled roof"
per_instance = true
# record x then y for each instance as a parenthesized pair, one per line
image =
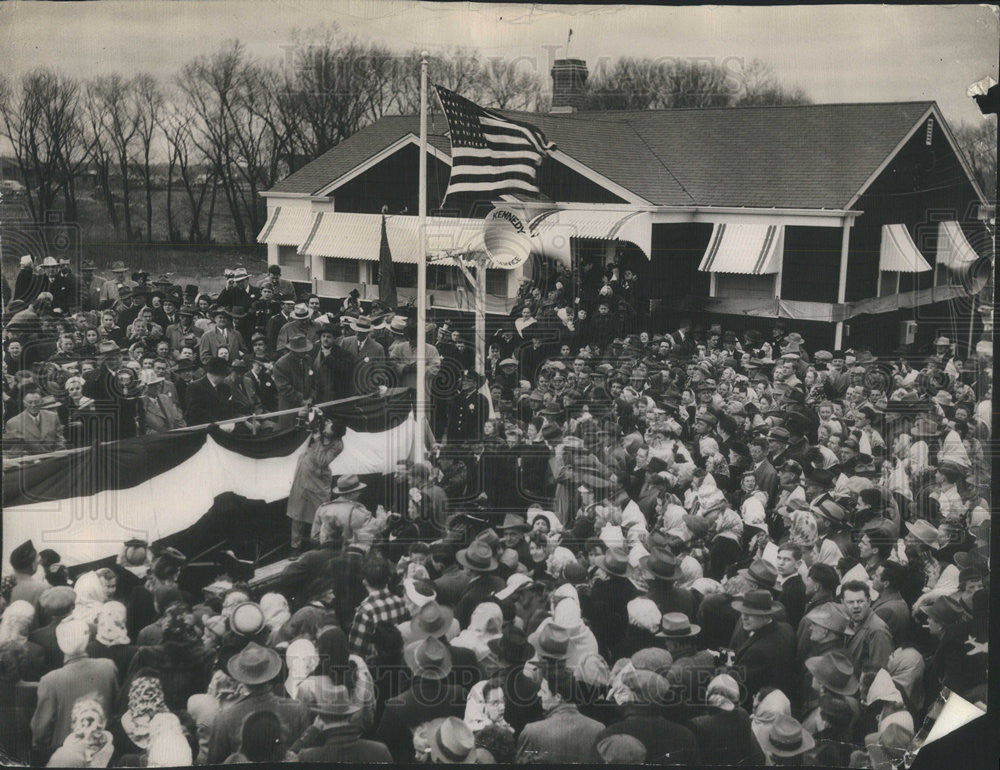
(817, 156)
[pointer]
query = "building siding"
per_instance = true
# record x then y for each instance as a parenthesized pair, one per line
(921, 186)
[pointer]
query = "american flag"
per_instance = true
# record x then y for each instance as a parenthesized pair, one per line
(490, 153)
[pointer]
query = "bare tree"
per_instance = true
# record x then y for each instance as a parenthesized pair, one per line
(510, 85)
(759, 86)
(979, 144)
(148, 103)
(641, 84)
(42, 122)
(210, 85)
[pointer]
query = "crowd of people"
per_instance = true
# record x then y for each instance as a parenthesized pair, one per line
(639, 548)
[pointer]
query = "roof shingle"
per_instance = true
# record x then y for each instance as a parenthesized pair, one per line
(804, 156)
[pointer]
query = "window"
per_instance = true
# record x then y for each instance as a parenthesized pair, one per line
(889, 283)
(743, 286)
(496, 282)
(343, 270)
(288, 256)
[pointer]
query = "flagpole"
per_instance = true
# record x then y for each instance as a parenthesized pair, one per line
(422, 268)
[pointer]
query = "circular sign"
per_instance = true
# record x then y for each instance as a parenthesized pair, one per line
(506, 236)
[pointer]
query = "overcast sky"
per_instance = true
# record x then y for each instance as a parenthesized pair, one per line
(835, 53)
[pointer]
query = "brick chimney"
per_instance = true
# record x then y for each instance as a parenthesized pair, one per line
(569, 85)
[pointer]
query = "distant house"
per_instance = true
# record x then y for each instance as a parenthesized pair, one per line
(851, 219)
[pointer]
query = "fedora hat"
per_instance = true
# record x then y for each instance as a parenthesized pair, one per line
(247, 618)
(923, 531)
(830, 510)
(398, 324)
(361, 324)
(832, 620)
(333, 700)
(432, 619)
(677, 625)
(756, 603)
(254, 665)
(300, 312)
(762, 573)
(835, 671)
(942, 341)
(347, 484)
(453, 743)
(660, 566)
(614, 562)
(946, 610)
(237, 311)
(552, 642)
(512, 646)
(428, 658)
(300, 344)
(514, 521)
(786, 738)
(478, 557)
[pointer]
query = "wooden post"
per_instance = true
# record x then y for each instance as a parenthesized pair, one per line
(838, 334)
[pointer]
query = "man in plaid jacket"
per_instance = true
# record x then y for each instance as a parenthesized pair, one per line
(380, 606)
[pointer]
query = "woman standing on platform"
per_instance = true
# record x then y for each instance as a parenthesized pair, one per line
(313, 479)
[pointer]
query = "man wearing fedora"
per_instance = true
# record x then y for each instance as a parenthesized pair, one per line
(340, 739)
(333, 367)
(294, 378)
(222, 335)
(480, 564)
(767, 645)
(119, 411)
(606, 604)
(300, 323)
(428, 697)
(255, 667)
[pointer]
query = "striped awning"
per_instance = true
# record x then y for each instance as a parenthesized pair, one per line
(744, 249)
(899, 253)
(954, 249)
(359, 236)
(551, 231)
(287, 226)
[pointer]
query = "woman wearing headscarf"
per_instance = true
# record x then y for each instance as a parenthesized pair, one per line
(301, 659)
(341, 668)
(724, 734)
(184, 663)
(111, 638)
(276, 614)
(769, 704)
(90, 598)
(484, 714)
(144, 699)
(89, 744)
(168, 745)
(640, 633)
(15, 623)
(485, 625)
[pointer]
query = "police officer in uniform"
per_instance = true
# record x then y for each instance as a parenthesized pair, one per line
(467, 411)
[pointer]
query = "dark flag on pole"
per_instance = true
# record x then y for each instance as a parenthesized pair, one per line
(386, 276)
(491, 155)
